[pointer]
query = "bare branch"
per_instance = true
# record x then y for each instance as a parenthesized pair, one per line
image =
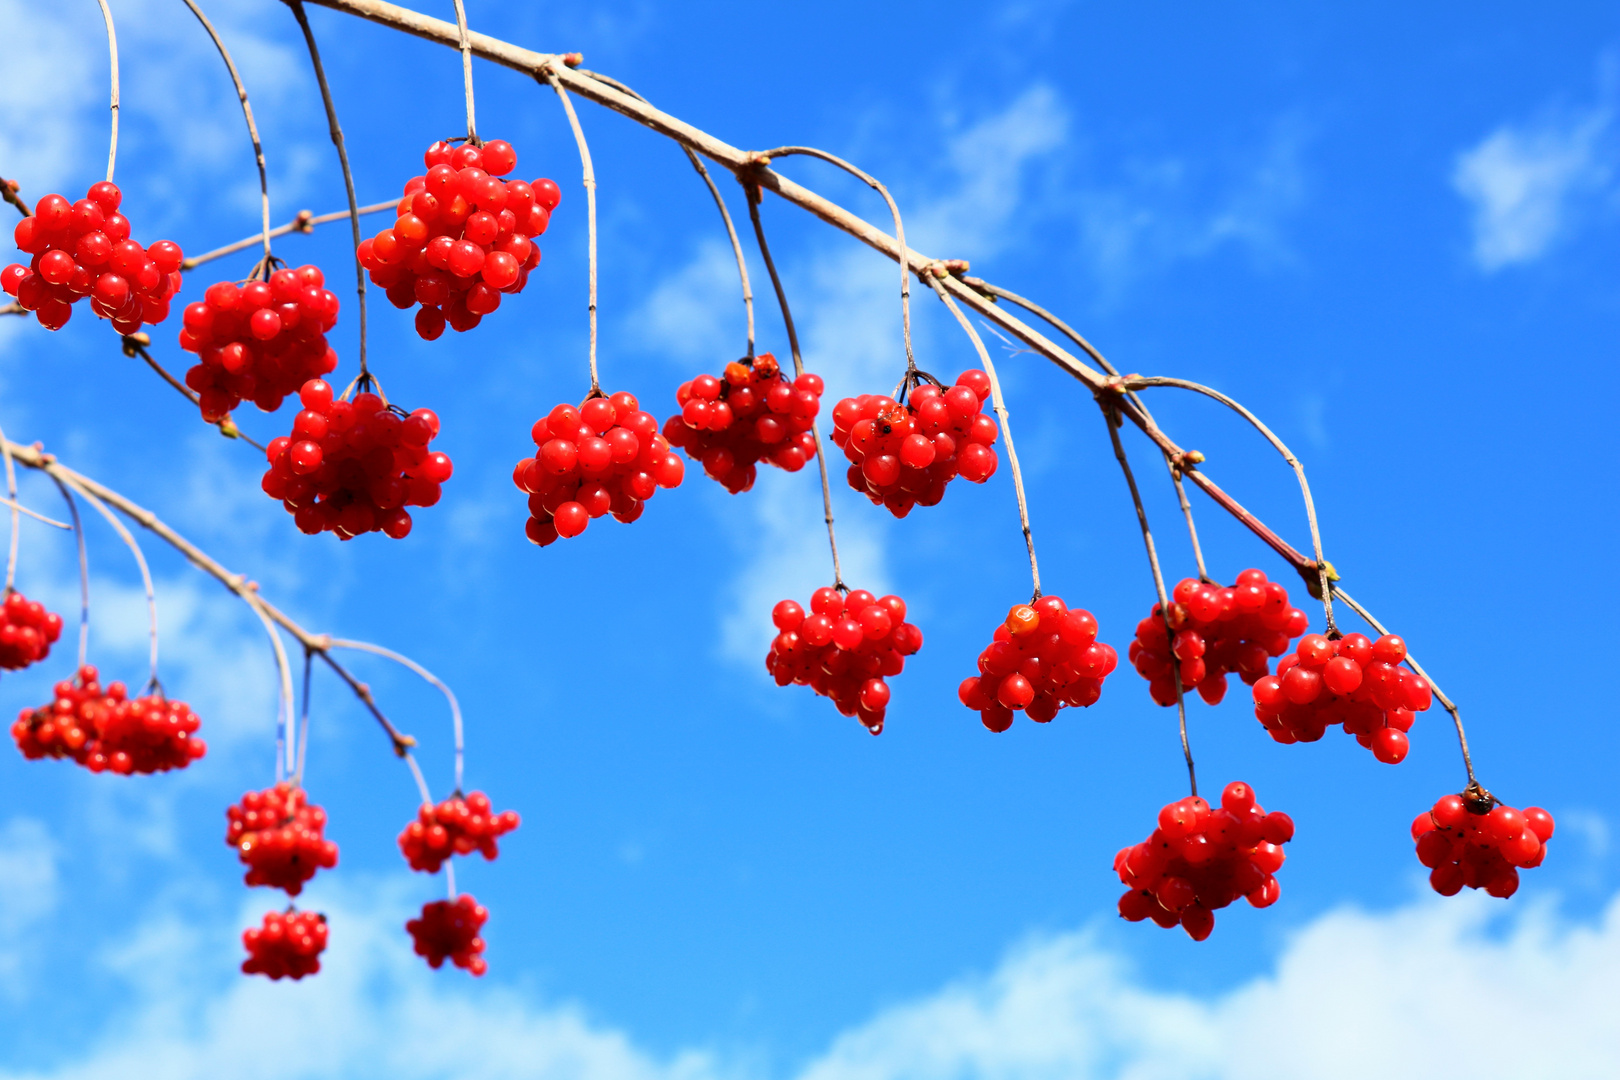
(112, 52)
(305, 222)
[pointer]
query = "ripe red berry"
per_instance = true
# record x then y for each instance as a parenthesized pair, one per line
(844, 649)
(449, 930)
(287, 945)
(1325, 682)
(457, 826)
(27, 631)
(1043, 657)
(279, 836)
(1472, 840)
(106, 732)
(756, 413)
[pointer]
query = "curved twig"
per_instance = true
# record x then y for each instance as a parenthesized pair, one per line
(736, 244)
(590, 208)
(303, 720)
(112, 52)
(146, 574)
(405, 661)
(84, 567)
(466, 72)
(16, 513)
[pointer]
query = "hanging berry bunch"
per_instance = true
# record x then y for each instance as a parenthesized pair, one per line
(448, 930)
(83, 249)
(1474, 840)
(456, 826)
(286, 945)
(353, 467)
(279, 836)
(755, 413)
(106, 732)
(1216, 632)
(605, 456)
(1351, 681)
(1200, 860)
(259, 342)
(1044, 656)
(27, 631)
(844, 649)
(462, 238)
(903, 454)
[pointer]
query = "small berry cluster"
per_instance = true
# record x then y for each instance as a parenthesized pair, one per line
(448, 929)
(1044, 656)
(903, 455)
(1216, 631)
(606, 455)
(260, 341)
(462, 236)
(27, 631)
(456, 826)
(353, 467)
(1351, 681)
(286, 946)
(83, 249)
(279, 837)
(1466, 840)
(1199, 860)
(755, 413)
(106, 732)
(843, 649)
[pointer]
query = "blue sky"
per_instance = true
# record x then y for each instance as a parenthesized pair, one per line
(1391, 233)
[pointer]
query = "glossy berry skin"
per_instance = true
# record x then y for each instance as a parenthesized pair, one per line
(1478, 842)
(105, 731)
(260, 342)
(605, 456)
(462, 238)
(83, 250)
(280, 837)
(27, 631)
(752, 413)
(843, 648)
(1215, 632)
(456, 826)
(1202, 858)
(286, 945)
(1351, 681)
(449, 930)
(353, 467)
(1044, 656)
(904, 455)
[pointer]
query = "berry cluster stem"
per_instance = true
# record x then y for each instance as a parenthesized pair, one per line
(140, 561)
(428, 676)
(134, 346)
(112, 53)
(736, 244)
(84, 564)
(466, 72)
(301, 734)
(16, 514)
(590, 208)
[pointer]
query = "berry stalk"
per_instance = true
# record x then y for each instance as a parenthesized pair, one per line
(146, 577)
(466, 72)
(112, 53)
(590, 208)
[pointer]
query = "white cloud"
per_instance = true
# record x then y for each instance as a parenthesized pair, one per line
(1437, 988)
(27, 892)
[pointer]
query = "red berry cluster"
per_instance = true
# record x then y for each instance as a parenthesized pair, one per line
(27, 631)
(106, 732)
(1215, 631)
(456, 826)
(606, 455)
(1465, 840)
(448, 929)
(259, 342)
(286, 946)
(754, 413)
(1199, 860)
(1044, 656)
(1351, 681)
(843, 649)
(462, 238)
(903, 455)
(353, 467)
(83, 249)
(279, 837)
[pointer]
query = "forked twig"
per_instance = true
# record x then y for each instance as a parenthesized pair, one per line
(405, 661)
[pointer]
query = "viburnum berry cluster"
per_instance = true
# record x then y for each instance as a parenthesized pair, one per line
(84, 249)
(280, 837)
(353, 467)
(260, 341)
(1044, 656)
(753, 414)
(606, 455)
(1200, 859)
(1216, 632)
(1351, 681)
(27, 631)
(449, 930)
(904, 454)
(456, 826)
(462, 236)
(106, 732)
(843, 649)
(1472, 839)
(287, 945)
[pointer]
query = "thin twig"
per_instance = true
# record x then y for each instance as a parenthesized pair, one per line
(1006, 428)
(305, 222)
(343, 160)
(736, 244)
(590, 208)
(146, 574)
(8, 192)
(752, 194)
(1186, 512)
(303, 724)
(402, 743)
(421, 781)
(134, 346)
(405, 661)
(112, 52)
(84, 564)
(16, 513)
(286, 728)
(466, 72)
(19, 508)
